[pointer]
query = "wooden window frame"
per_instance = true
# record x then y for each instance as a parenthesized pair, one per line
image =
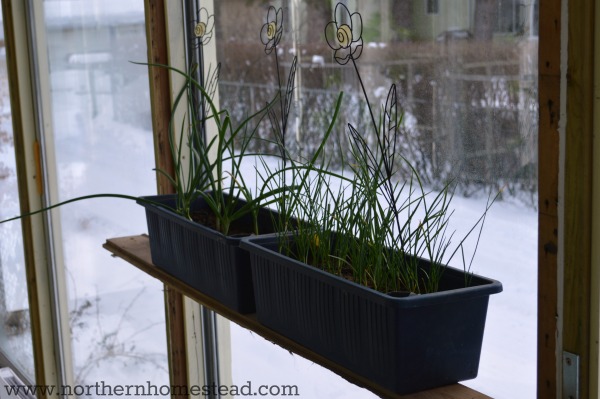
(567, 295)
(568, 298)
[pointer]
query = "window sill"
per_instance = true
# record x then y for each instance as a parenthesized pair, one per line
(136, 250)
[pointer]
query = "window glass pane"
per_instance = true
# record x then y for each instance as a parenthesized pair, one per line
(15, 328)
(103, 142)
(466, 78)
(432, 6)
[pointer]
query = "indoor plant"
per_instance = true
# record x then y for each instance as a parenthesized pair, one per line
(195, 233)
(362, 278)
(211, 182)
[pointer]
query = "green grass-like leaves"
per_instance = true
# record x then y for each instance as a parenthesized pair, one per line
(366, 225)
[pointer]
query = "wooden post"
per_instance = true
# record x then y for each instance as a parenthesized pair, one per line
(595, 256)
(578, 186)
(156, 37)
(568, 244)
(160, 95)
(548, 155)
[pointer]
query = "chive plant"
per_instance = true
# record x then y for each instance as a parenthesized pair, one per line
(367, 225)
(270, 35)
(213, 172)
(208, 169)
(211, 169)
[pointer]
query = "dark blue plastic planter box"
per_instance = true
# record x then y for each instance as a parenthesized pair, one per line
(202, 257)
(406, 344)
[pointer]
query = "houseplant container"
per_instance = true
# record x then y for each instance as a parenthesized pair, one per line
(209, 179)
(405, 343)
(202, 257)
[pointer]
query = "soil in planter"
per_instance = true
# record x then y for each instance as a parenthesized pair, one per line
(347, 273)
(239, 228)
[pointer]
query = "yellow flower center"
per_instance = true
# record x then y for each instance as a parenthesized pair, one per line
(271, 30)
(344, 35)
(200, 29)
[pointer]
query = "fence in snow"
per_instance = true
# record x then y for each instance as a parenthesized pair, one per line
(475, 123)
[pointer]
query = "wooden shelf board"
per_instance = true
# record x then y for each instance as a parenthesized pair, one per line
(136, 250)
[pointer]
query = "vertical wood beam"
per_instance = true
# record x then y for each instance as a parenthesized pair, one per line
(578, 186)
(595, 279)
(160, 95)
(160, 91)
(548, 171)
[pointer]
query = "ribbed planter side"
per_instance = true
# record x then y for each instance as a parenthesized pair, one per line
(404, 344)
(202, 257)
